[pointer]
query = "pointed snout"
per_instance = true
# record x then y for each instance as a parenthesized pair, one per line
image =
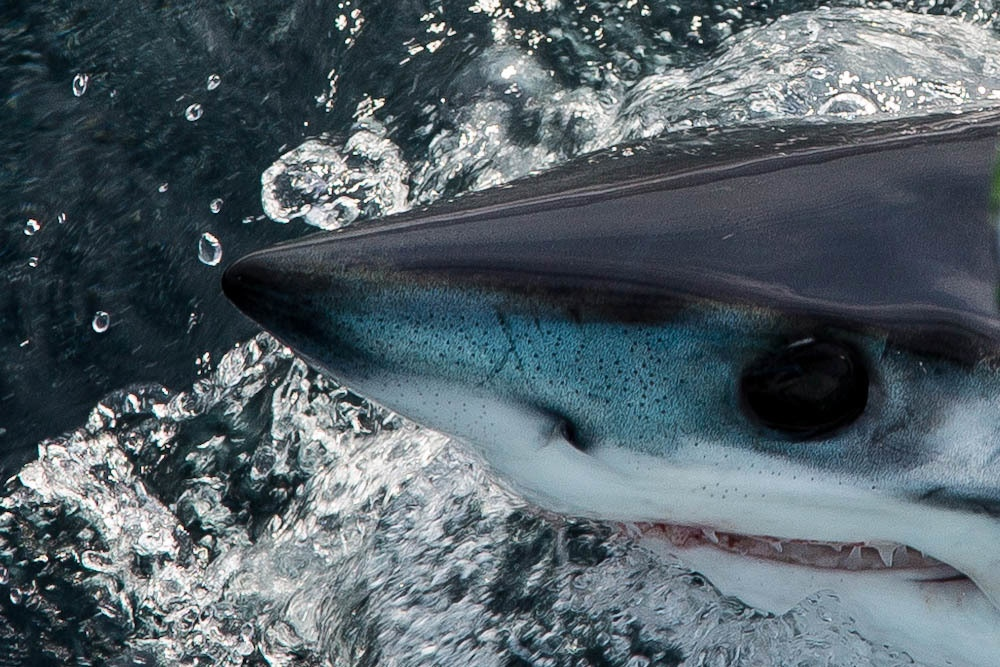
(247, 281)
(285, 289)
(285, 280)
(256, 284)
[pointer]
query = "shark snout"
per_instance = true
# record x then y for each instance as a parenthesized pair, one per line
(247, 281)
(286, 290)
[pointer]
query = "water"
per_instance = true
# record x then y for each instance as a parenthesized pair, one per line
(209, 249)
(225, 505)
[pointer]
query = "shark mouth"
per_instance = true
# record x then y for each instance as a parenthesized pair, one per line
(852, 556)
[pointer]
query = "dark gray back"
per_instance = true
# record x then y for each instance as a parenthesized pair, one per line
(889, 225)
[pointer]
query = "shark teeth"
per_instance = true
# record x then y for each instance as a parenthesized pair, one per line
(886, 551)
(869, 555)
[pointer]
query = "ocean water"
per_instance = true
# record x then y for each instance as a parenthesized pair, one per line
(180, 488)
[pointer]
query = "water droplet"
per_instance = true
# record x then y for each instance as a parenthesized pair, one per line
(31, 227)
(213, 81)
(819, 72)
(848, 104)
(32, 262)
(163, 187)
(209, 250)
(101, 321)
(193, 112)
(247, 220)
(80, 82)
(61, 218)
(215, 206)
(24, 343)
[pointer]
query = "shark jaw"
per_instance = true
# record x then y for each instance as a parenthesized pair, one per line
(866, 549)
(855, 557)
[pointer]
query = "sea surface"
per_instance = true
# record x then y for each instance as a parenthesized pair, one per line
(180, 488)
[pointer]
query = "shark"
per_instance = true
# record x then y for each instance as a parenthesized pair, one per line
(769, 351)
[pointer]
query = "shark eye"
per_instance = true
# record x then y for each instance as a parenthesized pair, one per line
(807, 388)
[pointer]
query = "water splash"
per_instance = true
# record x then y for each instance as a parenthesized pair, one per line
(268, 514)
(847, 62)
(330, 185)
(508, 112)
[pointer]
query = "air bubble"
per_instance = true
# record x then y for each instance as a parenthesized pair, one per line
(163, 188)
(33, 262)
(193, 112)
(209, 250)
(31, 227)
(101, 321)
(213, 81)
(215, 206)
(61, 218)
(80, 82)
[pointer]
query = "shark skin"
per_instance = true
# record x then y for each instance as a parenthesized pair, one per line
(749, 341)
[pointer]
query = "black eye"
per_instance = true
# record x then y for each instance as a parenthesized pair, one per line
(807, 388)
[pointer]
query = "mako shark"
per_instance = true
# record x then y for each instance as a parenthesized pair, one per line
(772, 349)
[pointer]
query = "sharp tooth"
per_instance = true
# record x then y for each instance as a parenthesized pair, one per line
(885, 551)
(710, 535)
(854, 558)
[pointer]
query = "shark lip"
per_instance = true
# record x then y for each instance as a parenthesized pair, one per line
(849, 556)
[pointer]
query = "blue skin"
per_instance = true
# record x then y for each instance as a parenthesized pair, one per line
(646, 387)
(919, 467)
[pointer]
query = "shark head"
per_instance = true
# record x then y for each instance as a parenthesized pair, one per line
(772, 346)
